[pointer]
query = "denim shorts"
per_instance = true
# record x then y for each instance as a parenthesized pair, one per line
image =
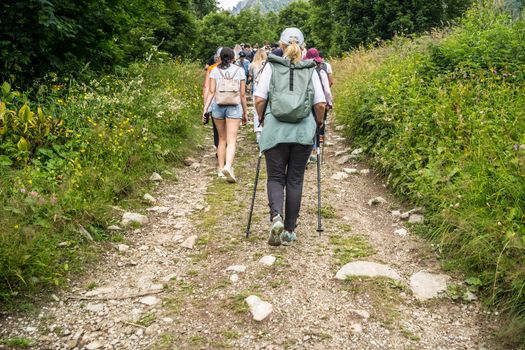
(222, 112)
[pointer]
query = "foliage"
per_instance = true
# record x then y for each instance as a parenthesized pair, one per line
(87, 147)
(444, 120)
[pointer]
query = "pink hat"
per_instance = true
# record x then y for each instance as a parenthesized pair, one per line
(313, 54)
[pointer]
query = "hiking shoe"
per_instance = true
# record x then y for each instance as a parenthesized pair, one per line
(221, 175)
(275, 231)
(312, 159)
(288, 237)
(227, 171)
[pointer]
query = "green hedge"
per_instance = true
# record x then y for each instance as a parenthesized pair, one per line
(443, 118)
(77, 149)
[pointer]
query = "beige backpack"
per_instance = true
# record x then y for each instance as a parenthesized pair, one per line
(228, 92)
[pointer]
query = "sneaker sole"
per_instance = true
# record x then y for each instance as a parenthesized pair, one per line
(275, 234)
(229, 176)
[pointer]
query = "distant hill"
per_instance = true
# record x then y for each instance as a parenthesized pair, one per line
(264, 5)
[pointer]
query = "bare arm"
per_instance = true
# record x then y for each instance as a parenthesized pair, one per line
(206, 86)
(259, 107)
(319, 109)
(243, 102)
(210, 95)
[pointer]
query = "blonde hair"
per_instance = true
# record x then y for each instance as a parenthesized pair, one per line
(292, 51)
(259, 58)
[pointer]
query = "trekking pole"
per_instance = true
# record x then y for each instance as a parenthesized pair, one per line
(319, 225)
(253, 196)
(324, 135)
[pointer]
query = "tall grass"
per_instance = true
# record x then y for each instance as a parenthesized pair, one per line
(93, 146)
(443, 117)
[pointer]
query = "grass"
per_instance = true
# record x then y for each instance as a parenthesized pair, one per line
(441, 117)
(147, 320)
(328, 212)
(348, 248)
(17, 343)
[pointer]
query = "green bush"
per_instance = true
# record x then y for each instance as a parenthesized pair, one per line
(87, 147)
(443, 117)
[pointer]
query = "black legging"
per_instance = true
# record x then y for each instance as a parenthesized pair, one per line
(285, 166)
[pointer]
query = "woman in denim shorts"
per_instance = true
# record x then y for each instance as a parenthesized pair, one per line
(227, 118)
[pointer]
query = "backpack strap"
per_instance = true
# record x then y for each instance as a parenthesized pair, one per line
(292, 68)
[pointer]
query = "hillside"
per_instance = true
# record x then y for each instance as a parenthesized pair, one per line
(265, 6)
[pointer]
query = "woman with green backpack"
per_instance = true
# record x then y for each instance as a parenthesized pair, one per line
(290, 102)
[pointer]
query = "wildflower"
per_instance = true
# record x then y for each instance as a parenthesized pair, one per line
(22, 190)
(33, 194)
(53, 200)
(16, 227)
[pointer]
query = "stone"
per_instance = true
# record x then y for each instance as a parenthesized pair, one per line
(267, 260)
(376, 201)
(366, 269)
(340, 128)
(114, 228)
(152, 330)
(396, 213)
(361, 313)
(356, 328)
(340, 153)
(416, 219)
(189, 243)
(156, 287)
(94, 345)
(55, 297)
(236, 268)
(469, 296)
(128, 218)
(71, 344)
(84, 233)
(189, 161)
(196, 165)
(234, 278)
(343, 160)
(169, 277)
(351, 171)
(364, 171)
(357, 151)
(427, 285)
(122, 247)
(155, 177)
(63, 244)
(260, 309)
(401, 232)
(160, 210)
(150, 300)
(96, 308)
(99, 291)
(339, 176)
(149, 198)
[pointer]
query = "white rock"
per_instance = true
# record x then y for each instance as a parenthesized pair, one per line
(167, 320)
(340, 128)
(155, 177)
(189, 243)
(189, 161)
(351, 171)
(71, 344)
(470, 296)
(196, 165)
(31, 329)
(367, 269)
(340, 153)
(416, 219)
(122, 248)
(169, 277)
(236, 268)
(401, 232)
(99, 291)
(152, 329)
(128, 218)
(356, 328)
(364, 171)
(96, 308)
(150, 300)
(328, 144)
(268, 260)
(155, 287)
(357, 151)
(63, 244)
(94, 345)
(85, 233)
(260, 309)
(396, 213)
(376, 201)
(362, 313)
(148, 197)
(426, 285)
(234, 278)
(343, 160)
(339, 176)
(114, 228)
(160, 210)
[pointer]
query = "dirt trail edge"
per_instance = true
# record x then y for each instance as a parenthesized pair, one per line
(161, 291)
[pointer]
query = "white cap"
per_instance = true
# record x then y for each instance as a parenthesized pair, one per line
(289, 35)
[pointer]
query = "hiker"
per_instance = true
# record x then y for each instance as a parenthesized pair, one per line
(212, 63)
(328, 69)
(227, 97)
(254, 73)
(287, 93)
(313, 54)
(244, 64)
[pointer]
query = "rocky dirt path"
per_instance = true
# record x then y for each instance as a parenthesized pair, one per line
(180, 281)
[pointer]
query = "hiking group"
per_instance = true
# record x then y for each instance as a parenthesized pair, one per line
(291, 92)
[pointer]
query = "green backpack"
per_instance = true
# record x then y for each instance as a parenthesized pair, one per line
(291, 92)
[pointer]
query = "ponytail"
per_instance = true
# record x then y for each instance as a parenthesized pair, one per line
(293, 52)
(227, 56)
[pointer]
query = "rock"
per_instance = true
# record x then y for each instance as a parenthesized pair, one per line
(189, 243)
(199, 207)
(150, 300)
(168, 320)
(469, 296)
(155, 177)
(114, 228)
(128, 218)
(152, 330)
(356, 152)
(356, 328)
(340, 128)
(84, 233)
(396, 213)
(328, 144)
(155, 287)
(189, 161)
(94, 345)
(340, 153)
(99, 291)
(234, 278)
(122, 247)
(351, 171)
(169, 277)
(260, 309)
(426, 285)
(364, 171)
(339, 176)
(55, 297)
(343, 160)
(416, 219)
(268, 260)
(367, 269)
(96, 308)
(407, 214)
(160, 210)
(63, 244)
(376, 201)
(362, 313)
(71, 344)
(401, 232)
(196, 165)
(236, 268)
(149, 198)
